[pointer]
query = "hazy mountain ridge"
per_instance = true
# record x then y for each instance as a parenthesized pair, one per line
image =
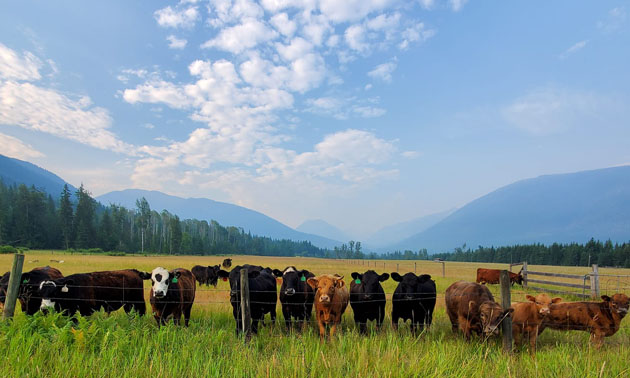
(15, 171)
(322, 228)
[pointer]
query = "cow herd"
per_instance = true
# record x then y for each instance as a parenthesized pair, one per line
(470, 306)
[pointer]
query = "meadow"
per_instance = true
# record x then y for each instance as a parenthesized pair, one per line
(131, 346)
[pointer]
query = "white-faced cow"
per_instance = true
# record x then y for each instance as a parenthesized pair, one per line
(367, 298)
(172, 294)
(414, 300)
(89, 292)
(28, 296)
(262, 294)
(296, 296)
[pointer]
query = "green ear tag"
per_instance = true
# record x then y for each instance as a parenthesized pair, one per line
(357, 281)
(303, 278)
(25, 281)
(174, 280)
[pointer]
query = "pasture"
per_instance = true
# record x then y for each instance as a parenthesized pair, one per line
(122, 345)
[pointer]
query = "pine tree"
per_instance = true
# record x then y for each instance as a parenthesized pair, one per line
(85, 219)
(66, 216)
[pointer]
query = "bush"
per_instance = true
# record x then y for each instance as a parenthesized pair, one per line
(116, 254)
(94, 250)
(7, 249)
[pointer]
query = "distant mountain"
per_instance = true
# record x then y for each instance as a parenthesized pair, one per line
(323, 228)
(224, 213)
(14, 171)
(565, 208)
(400, 231)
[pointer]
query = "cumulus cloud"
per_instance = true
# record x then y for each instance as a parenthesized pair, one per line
(176, 43)
(383, 71)
(176, 18)
(16, 67)
(15, 148)
(457, 5)
(343, 108)
(239, 38)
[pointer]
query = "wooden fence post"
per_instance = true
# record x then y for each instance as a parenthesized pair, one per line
(595, 282)
(246, 316)
(506, 302)
(443, 269)
(397, 267)
(524, 273)
(14, 286)
(414, 268)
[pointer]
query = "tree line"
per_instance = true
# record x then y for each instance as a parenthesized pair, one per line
(33, 219)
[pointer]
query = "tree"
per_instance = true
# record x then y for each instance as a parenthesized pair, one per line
(144, 211)
(85, 219)
(65, 216)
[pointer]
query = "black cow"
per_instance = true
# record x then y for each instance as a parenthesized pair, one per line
(89, 292)
(367, 298)
(172, 294)
(262, 294)
(296, 296)
(413, 299)
(206, 275)
(227, 263)
(27, 294)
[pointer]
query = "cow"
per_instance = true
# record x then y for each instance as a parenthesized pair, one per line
(30, 301)
(296, 296)
(331, 300)
(471, 307)
(367, 298)
(172, 294)
(527, 318)
(262, 294)
(600, 319)
(206, 275)
(227, 263)
(491, 276)
(89, 292)
(414, 299)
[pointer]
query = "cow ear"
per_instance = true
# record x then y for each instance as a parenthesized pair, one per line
(277, 272)
(312, 282)
(304, 272)
(606, 298)
(383, 277)
(253, 274)
(223, 274)
(530, 298)
(144, 275)
(25, 278)
(355, 275)
(396, 277)
(340, 283)
(556, 300)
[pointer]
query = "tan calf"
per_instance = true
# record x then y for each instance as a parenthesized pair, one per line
(528, 317)
(331, 300)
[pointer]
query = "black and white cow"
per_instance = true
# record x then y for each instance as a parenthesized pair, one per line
(262, 294)
(28, 296)
(172, 294)
(296, 296)
(367, 298)
(89, 292)
(414, 299)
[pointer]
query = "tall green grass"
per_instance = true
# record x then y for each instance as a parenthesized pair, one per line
(130, 346)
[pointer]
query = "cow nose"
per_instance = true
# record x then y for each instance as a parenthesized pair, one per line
(367, 296)
(159, 294)
(324, 298)
(233, 292)
(544, 311)
(289, 291)
(408, 297)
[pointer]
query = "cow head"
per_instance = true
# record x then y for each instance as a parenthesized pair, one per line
(371, 282)
(213, 275)
(409, 284)
(542, 302)
(234, 276)
(291, 279)
(491, 315)
(161, 279)
(52, 292)
(619, 303)
(227, 263)
(325, 286)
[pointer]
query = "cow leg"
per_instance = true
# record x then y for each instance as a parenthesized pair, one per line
(381, 317)
(322, 330)
(533, 335)
(597, 338)
(333, 328)
(177, 316)
(454, 322)
(395, 318)
(187, 311)
(273, 315)
(255, 325)
(464, 326)
(287, 318)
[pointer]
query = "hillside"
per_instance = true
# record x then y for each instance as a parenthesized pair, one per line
(401, 231)
(224, 213)
(14, 171)
(322, 228)
(546, 209)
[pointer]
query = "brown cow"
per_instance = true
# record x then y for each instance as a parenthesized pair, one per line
(331, 300)
(601, 319)
(471, 307)
(172, 294)
(528, 317)
(491, 276)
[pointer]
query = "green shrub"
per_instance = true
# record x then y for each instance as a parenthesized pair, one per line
(7, 249)
(112, 253)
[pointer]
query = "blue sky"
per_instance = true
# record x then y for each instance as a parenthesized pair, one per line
(363, 113)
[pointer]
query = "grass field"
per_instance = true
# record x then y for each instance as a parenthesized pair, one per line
(121, 345)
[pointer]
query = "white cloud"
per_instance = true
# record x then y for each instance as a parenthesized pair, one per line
(384, 71)
(16, 67)
(351, 10)
(283, 24)
(356, 39)
(344, 108)
(614, 21)
(177, 18)
(45, 110)
(15, 148)
(176, 43)
(415, 33)
(427, 4)
(457, 5)
(574, 48)
(552, 110)
(239, 38)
